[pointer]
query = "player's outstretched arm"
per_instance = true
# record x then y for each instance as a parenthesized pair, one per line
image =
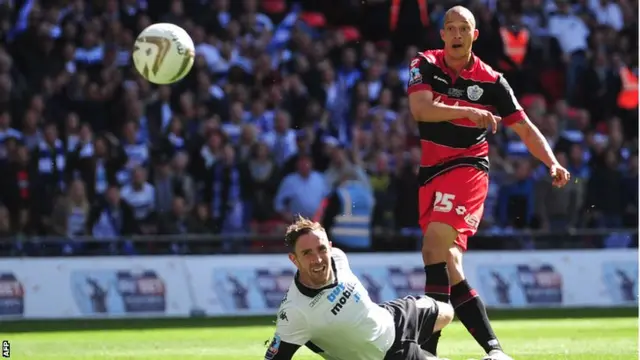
(280, 350)
(514, 117)
(539, 147)
(292, 331)
(535, 141)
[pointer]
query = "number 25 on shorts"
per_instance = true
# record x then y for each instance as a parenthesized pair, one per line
(443, 202)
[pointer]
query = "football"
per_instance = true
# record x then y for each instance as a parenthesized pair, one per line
(163, 53)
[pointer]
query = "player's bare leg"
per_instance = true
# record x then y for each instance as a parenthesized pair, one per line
(445, 316)
(470, 309)
(438, 239)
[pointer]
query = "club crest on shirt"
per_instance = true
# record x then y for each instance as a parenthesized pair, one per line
(474, 92)
(273, 347)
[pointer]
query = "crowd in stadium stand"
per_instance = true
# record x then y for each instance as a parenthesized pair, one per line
(286, 98)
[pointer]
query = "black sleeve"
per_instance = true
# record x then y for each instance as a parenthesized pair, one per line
(420, 74)
(506, 102)
(283, 351)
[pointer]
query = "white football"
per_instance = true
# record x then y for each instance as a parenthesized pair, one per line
(163, 53)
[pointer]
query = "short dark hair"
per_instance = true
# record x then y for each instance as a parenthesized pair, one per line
(301, 226)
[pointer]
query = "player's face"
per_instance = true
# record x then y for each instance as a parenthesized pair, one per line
(312, 257)
(458, 35)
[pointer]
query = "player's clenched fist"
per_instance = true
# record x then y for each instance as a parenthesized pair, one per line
(483, 119)
(560, 175)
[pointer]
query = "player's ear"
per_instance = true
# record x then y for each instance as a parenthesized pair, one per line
(475, 34)
(293, 258)
(442, 34)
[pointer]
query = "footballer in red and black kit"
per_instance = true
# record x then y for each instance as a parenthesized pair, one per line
(459, 144)
(454, 96)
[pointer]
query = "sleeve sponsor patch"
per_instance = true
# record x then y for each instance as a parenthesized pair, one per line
(414, 76)
(273, 348)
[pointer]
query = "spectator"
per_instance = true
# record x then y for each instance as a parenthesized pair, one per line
(607, 210)
(175, 139)
(112, 217)
(72, 132)
(340, 165)
(383, 185)
(303, 148)
(179, 222)
(282, 140)
(183, 182)
(261, 177)
(233, 127)
(141, 197)
(406, 205)
(202, 218)
(571, 34)
(137, 151)
(223, 191)
(6, 132)
(160, 112)
(602, 83)
(209, 154)
(71, 212)
(558, 210)
(21, 190)
(347, 214)
(82, 148)
(163, 185)
(516, 200)
(247, 141)
(51, 160)
(99, 165)
(300, 192)
(607, 13)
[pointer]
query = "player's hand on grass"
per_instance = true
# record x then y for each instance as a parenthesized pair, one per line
(560, 175)
(483, 119)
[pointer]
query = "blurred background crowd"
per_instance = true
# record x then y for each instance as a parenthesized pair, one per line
(286, 99)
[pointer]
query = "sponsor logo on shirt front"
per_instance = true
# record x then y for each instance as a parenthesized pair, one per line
(341, 294)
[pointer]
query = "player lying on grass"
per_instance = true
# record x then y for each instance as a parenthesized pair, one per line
(328, 309)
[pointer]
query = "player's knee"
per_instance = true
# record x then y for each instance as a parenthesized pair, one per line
(445, 316)
(438, 238)
(454, 265)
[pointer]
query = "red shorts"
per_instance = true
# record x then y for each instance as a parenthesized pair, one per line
(455, 198)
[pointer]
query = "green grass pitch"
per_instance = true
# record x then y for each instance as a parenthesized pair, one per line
(541, 335)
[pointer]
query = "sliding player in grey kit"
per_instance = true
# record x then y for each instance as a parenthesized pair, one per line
(329, 310)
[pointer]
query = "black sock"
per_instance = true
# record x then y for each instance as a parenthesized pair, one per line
(473, 314)
(437, 287)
